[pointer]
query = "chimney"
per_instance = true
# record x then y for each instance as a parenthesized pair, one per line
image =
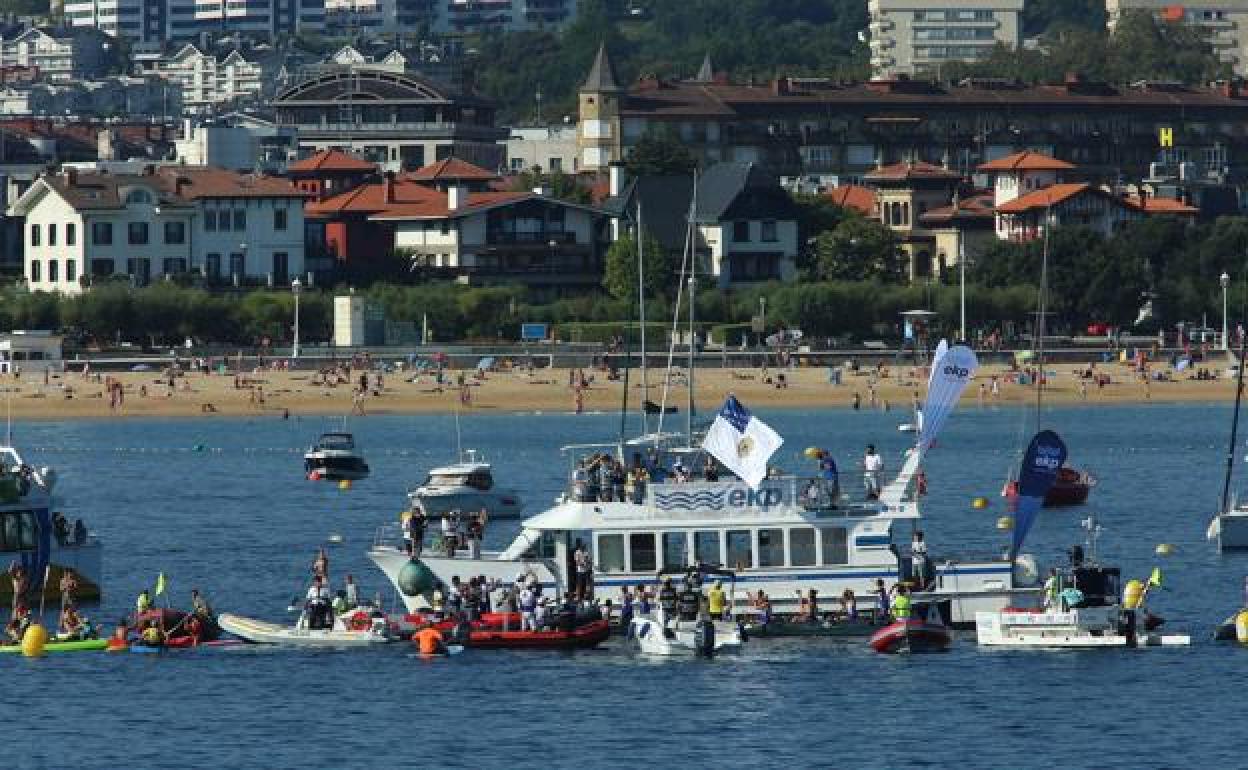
(616, 175)
(71, 176)
(456, 197)
(387, 195)
(106, 145)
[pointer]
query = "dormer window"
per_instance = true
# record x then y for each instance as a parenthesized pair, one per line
(138, 196)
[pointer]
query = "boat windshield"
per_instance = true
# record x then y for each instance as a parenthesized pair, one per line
(336, 441)
(477, 480)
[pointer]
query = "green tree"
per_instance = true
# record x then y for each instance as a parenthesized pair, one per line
(620, 271)
(563, 186)
(656, 155)
(857, 249)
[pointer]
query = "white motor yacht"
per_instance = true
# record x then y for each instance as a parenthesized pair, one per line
(466, 486)
(334, 457)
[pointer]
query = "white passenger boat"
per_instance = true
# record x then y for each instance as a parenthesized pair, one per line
(790, 535)
(334, 457)
(466, 486)
(37, 536)
(341, 635)
(683, 638)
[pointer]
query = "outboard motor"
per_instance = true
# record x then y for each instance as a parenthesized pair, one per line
(1076, 556)
(1126, 626)
(704, 638)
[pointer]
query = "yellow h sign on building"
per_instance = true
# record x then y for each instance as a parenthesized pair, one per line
(1166, 137)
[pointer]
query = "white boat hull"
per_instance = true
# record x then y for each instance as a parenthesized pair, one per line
(969, 587)
(679, 639)
(262, 632)
(1232, 530)
(1081, 628)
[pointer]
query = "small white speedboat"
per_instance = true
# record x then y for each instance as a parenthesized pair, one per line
(684, 638)
(346, 632)
(334, 457)
(465, 486)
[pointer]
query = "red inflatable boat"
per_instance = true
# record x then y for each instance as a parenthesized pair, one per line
(911, 635)
(1071, 487)
(590, 634)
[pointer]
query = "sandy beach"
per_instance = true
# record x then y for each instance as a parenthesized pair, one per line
(147, 394)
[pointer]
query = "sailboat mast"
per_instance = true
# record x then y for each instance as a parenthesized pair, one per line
(641, 314)
(693, 297)
(1040, 315)
(1230, 450)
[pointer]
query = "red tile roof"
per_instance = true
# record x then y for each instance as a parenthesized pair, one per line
(171, 185)
(908, 171)
(978, 206)
(451, 169)
(331, 160)
(1049, 196)
(206, 182)
(853, 196)
(1153, 205)
(1026, 161)
(407, 199)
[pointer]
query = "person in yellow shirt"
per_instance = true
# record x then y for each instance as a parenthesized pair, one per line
(717, 601)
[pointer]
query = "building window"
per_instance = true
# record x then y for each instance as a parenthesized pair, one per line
(212, 266)
(36, 274)
(52, 235)
(71, 234)
(137, 233)
(556, 165)
(768, 232)
(210, 220)
(102, 233)
(174, 265)
(138, 196)
(238, 264)
(101, 268)
(34, 235)
(240, 219)
(279, 219)
(140, 270)
(446, 227)
(175, 232)
(740, 232)
(54, 271)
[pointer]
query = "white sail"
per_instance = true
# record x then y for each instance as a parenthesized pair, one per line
(952, 371)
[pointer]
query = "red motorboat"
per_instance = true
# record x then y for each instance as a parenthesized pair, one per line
(911, 635)
(1071, 488)
(408, 624)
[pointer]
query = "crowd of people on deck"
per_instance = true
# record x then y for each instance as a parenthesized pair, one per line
(458, 531)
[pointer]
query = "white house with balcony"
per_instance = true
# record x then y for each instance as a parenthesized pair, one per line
(221, 227)
(747, 226)
(208, 82)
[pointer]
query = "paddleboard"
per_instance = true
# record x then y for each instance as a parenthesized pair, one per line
(78, 645)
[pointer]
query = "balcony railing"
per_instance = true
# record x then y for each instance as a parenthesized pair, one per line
(560, 238)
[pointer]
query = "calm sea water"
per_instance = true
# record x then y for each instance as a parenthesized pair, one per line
(237, 520)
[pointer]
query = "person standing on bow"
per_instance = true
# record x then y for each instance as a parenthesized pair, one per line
(872, 467)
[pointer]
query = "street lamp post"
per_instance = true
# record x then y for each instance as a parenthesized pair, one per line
(1225, 281)
(962, 281)
(296, 287)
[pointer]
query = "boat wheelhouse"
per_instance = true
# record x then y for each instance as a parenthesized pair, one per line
(789, 536)
(334, 457)
(465, 486)
(37, 537)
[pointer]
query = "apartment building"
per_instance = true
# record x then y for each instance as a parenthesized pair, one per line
(59, 55)
(208, 82)
(223, 227)
(909, 37)
(157, 22)
(1224, 21)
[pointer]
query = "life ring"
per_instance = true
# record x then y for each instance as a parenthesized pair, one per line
(359, 622)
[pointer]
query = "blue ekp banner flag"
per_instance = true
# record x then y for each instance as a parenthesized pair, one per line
(1045, 456)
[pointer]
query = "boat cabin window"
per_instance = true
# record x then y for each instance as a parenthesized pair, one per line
(771, 548)
(337, 441)
(17, 531)
(479, 480)
(641, 552)
(544, 548)
(802, 547)
(611, 553)
(835, 545)
(675, 550)
(740, 549)
(706, 547)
